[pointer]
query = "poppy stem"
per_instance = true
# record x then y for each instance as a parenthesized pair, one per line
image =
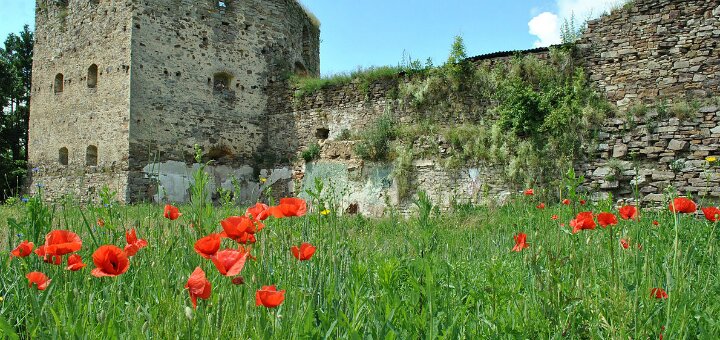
(611, 244)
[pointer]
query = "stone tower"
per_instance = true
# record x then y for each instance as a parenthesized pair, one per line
(123, 90)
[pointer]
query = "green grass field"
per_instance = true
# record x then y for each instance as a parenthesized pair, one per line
(433, 276)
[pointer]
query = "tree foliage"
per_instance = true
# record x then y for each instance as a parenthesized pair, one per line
(15, 77)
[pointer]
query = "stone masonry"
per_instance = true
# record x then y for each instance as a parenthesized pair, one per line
(123, 90)
(651, 51)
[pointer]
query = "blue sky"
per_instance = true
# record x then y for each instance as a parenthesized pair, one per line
(379, 32)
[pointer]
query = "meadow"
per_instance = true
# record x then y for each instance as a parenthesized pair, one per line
(432, 275)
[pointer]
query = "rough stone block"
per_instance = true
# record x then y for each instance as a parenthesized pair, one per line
(619, 150)
(663, 175)
(678, 145)
(654, 198)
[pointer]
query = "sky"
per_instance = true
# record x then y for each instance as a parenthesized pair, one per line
(364, 33)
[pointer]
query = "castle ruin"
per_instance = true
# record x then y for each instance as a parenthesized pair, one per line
(123, 89)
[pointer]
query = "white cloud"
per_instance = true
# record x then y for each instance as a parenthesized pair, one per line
(546, 25)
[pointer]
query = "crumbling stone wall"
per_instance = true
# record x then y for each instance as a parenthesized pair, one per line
(651, 52)
(213, 73)
(204, 75)
(167, 75)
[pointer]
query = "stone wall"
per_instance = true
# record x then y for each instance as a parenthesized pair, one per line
(172, 75)
(168, 75)
(655, 48)
(657, 152)
(75, 112)
(651, 52)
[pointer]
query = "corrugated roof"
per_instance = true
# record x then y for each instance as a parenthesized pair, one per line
(508, 53)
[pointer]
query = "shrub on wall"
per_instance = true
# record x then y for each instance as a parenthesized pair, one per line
(375, 142)
(532, 115)
(311, 153)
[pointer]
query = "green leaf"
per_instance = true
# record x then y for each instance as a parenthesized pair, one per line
(7, 330)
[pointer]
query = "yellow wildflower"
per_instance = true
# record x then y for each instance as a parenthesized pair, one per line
(711, 159)
(263, 180)
(1, 299)
(325, 212)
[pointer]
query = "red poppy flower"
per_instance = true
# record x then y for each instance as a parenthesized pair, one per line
(61, 242)
(712, 214)
(230, 261)
(529, 192)
(582, 221)
(133, 244)
(566, 201)
(208, 245)
(520, 243)
(257, 212)
(47, 258)
(172, 212)
(74, 263)
(628, 212)
(582, 202)
(624, 243)
(198, 286)
(39, 279)
(304, 253)
(24, 249)
(110, 261)
(269, 297)
(236, 226)
(555, 217)
(683, 205)
(246, 238)
(656, 223)
(288, 207)
(658, 293)
(605, 219)
(100, 222)
(541, 206)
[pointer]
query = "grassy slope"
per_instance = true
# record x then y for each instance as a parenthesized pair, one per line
(451, 276)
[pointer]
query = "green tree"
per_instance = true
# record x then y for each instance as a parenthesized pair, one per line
(458, 67)
(15, 78)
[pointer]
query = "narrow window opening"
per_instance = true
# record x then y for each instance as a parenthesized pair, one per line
(59, 81)
(63, 156)
(221, 82)
(91, 156)
(92, 76)
(322, 133)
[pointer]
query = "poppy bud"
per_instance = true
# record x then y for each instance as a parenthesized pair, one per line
(238, 280)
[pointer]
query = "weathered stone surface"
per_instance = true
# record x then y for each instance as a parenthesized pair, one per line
(603, 172)
(619, 150)
(655, 198)
(144, 81)
(663, 175)
(678, 145)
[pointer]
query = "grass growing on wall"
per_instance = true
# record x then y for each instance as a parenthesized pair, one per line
(306, 86)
